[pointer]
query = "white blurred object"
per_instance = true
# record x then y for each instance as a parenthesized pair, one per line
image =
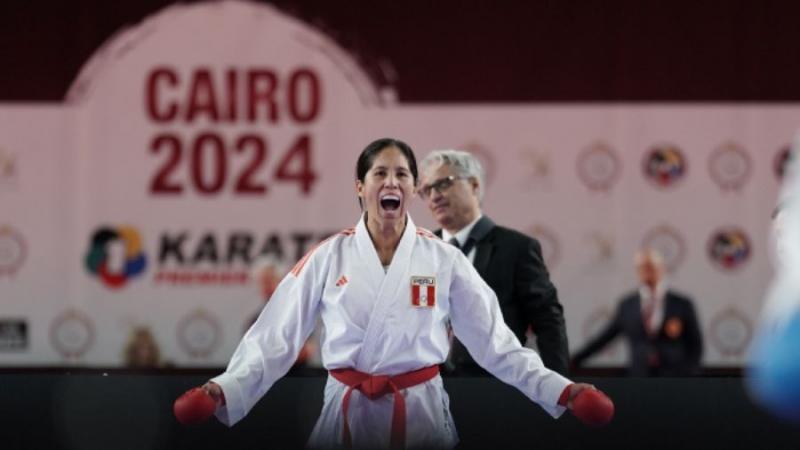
(783, 297)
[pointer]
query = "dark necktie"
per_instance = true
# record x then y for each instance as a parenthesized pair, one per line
(467, 245)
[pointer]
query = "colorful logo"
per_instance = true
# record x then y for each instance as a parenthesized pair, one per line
(12, 250)
(729, 248)
(99, 259)
(664, 165)
(599, 167)
(729, 166)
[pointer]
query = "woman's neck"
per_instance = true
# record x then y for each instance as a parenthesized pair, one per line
(385, 237)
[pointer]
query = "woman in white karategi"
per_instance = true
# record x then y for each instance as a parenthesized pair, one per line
(385, 291)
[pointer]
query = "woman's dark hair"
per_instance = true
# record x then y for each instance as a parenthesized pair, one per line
(371, 151)
(368, 155)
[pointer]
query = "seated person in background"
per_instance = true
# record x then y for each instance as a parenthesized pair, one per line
(141, 350)
(660, 325)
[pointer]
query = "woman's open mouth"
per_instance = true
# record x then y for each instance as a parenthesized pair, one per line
(390, 202)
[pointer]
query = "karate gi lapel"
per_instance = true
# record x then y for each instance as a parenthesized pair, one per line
(392, 284)
(368, 257)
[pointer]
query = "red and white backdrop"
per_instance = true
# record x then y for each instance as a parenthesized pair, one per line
(210, 135)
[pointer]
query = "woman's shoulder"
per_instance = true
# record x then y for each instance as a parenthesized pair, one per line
(323, 248)
(430, 240)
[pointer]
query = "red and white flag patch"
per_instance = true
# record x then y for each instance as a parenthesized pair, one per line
(423, 292)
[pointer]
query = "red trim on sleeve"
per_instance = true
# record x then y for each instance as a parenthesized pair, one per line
(564, 398)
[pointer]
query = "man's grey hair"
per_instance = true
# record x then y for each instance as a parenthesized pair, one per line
(462, 163)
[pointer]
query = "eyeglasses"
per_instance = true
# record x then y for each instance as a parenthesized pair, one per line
(441, 185)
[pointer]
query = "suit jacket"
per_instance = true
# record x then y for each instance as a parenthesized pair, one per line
(511, 264)
(673, 350)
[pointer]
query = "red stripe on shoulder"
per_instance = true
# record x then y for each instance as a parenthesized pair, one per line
(300, 264)
(426, 233)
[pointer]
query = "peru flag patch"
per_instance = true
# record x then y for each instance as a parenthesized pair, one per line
(423, 292)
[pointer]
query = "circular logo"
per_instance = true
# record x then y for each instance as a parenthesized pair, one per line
(729, 248)
(484, 155)
(97, 260)
(731, 332)
(598, 166)
(781, 162)
(199, 334)
(729, 166)
(664, 165)
(551, 249)
(12, 250)
(72, 334)
(669, 243)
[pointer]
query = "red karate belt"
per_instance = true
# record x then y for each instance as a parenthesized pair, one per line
(376, 386)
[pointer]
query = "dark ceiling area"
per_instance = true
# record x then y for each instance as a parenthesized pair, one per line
(462, 51)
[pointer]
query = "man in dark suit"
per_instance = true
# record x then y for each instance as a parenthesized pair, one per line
(510, 262)
(660, 325)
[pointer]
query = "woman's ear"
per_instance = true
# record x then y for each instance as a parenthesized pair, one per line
(359, 189)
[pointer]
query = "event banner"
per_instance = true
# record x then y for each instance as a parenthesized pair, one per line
(217, 140)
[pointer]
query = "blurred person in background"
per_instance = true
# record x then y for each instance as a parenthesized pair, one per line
(141, 350)
(452, 186)
(267, 272)
(659, 324)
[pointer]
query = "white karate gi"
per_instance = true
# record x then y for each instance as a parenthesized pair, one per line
(370, 325)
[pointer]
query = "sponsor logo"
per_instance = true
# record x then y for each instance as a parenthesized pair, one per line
(341, 281)
(731, 332)
(484, 155)
(13, 334)
(115, 255)
(13, 250)
(664, 165)
(423, 292)
(224, 258)
(669, 243)
(72, 334)
(598, 167)
(730, 166)
(199, 333)
(729, 248)
(551, 247)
